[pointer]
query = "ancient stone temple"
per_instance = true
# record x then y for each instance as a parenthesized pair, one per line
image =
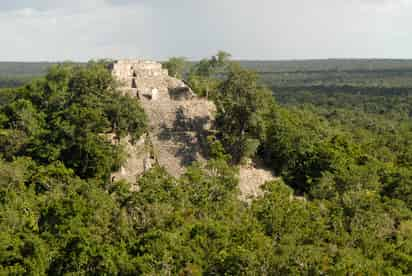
(179, 123)
(127, 69)
(136, 77)
(178, 119)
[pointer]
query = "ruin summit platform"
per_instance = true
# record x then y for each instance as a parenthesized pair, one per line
(139, 77)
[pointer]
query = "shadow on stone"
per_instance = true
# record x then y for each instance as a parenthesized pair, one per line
(181, 93)
(190, 136)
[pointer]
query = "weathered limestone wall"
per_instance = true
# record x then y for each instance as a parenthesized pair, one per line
(126, 70)
(139, 77)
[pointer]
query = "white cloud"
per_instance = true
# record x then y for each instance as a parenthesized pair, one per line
(271, 29)
(88, 32)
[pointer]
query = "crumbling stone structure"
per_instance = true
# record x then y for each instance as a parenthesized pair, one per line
(179, 123)
(178, 119)
(127, 69)
(135, 77)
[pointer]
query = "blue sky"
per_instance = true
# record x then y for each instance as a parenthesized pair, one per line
(33, 30)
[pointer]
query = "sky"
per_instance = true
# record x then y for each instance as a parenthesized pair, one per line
(80, 30)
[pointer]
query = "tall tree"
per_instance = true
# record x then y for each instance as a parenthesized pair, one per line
(205, 76)
(242, 108)
(176, 66)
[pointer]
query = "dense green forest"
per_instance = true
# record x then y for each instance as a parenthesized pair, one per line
(387, 73)
(334, 72)
(14, 74)
(342, 206)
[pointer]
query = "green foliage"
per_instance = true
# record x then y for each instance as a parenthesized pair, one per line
(71, 109)
(210, 67)
(342, 206)
(242, 110)
(353, 74)
(216, 149)
(175, 66)
(15, 74)
(204, 76)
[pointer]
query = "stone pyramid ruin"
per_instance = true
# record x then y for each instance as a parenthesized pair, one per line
(178, 119)
(179, 123)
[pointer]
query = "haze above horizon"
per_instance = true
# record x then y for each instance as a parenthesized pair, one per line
(43, 30)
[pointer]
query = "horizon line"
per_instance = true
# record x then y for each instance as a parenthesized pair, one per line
(235, 59)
